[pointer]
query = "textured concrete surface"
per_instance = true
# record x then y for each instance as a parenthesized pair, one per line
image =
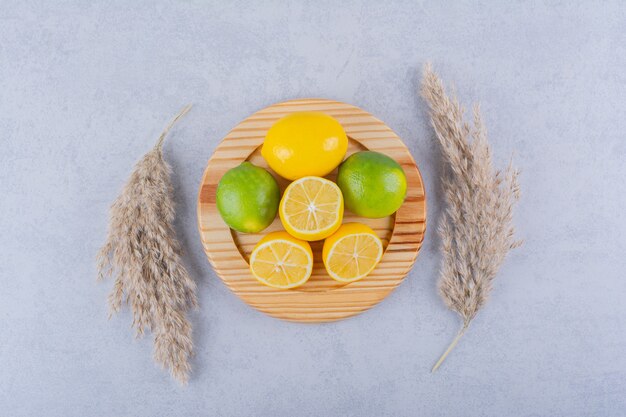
(85, 89)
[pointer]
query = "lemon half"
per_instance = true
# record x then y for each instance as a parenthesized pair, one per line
(311, 208)
(352, 252)
(281, 261)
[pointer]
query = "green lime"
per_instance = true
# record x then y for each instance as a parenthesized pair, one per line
(373, 184)
(247, 198)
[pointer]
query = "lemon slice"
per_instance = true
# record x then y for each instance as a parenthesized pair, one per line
(311, 208)
(352, 252)
(281, 261)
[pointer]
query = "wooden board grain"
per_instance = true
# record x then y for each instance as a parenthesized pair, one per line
(321, 298)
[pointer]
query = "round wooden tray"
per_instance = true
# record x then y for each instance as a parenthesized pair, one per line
(321, 298)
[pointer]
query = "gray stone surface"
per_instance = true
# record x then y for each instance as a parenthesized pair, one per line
(86, 87)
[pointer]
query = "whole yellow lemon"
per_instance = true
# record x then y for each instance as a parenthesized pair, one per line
(305, 144)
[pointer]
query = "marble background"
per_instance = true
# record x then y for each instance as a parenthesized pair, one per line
(85, 89)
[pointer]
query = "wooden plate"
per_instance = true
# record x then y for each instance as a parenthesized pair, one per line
(321, 298)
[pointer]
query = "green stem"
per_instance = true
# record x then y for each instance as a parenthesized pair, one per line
(172, 123)
(452, 345)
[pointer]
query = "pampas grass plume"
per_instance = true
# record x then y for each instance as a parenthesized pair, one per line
(143, 255)
(477, 228)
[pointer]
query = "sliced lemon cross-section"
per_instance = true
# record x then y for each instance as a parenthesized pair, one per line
(311, 208)
(352, 252)
(281, 261)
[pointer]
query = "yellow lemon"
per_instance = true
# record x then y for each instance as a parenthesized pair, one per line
(304, 144)
(281, 261)
(352, 252)
(311, 208)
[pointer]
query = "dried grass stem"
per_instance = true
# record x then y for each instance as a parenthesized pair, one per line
(477, 227)
(143, 255)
